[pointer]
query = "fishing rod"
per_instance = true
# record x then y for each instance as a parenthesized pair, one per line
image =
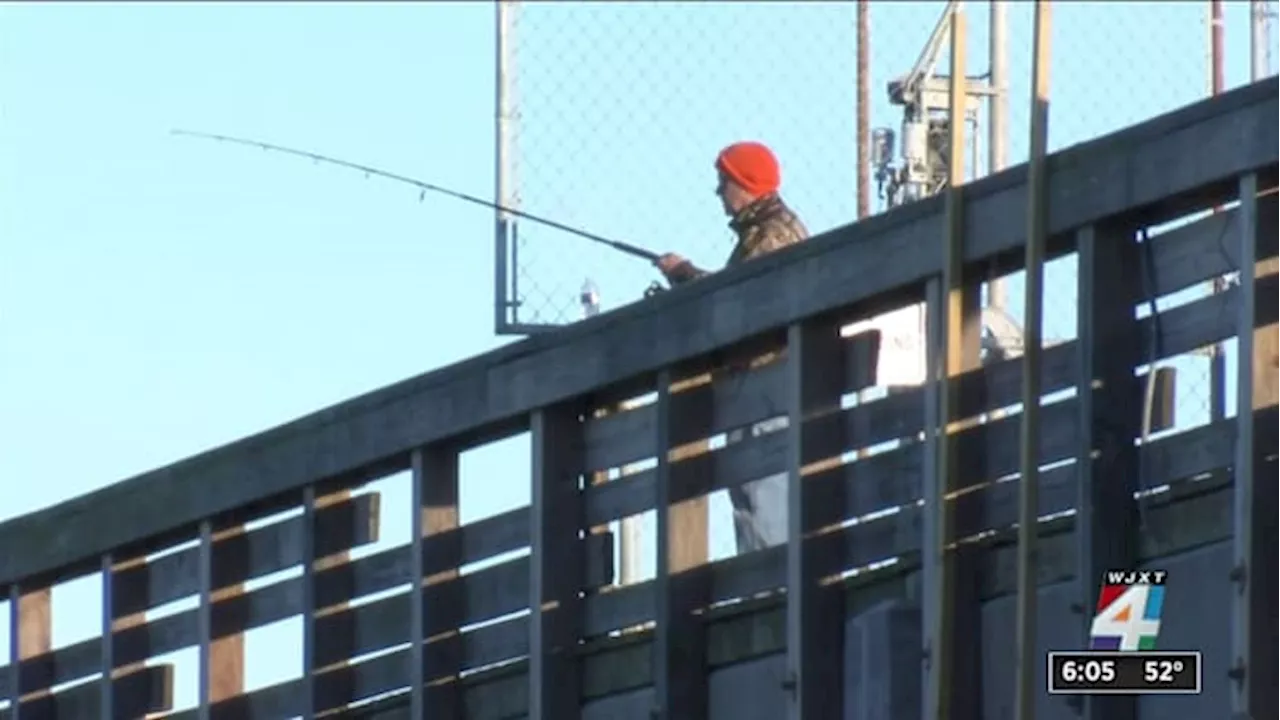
(618, 245)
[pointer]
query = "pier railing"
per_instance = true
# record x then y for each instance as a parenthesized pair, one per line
(549, 634)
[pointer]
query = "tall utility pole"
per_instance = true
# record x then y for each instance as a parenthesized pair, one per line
(998, 114)
(863, 120)
(1217, 79)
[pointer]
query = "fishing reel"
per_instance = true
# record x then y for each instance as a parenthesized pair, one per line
(655, 288)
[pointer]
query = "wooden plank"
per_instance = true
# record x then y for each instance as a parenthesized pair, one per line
(437, 479)
(31, 635)
(1175, 459)
(244, 556)
(555, 565)
(1108, 520)
(739, 396)
(679, 649)
(138, 585)
(1253, 572)
(488, 593)
(1176, 155)
(1182, 329)
(137, 694)
(1190, 254)
(118, 622)
(877, 540)
(815, 607)
(226, 654)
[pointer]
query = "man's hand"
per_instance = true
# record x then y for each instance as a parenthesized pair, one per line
(669, 262)
(677, 269)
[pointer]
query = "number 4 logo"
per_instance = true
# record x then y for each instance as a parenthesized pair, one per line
(1130, 621)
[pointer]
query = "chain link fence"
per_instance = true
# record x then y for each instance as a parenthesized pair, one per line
(618, 111)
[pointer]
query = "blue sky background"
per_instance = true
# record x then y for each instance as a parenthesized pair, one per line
(160, 296)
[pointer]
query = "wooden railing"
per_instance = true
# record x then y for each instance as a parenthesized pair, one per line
(183, 532)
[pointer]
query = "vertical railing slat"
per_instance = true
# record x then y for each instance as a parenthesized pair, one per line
(308, 602)
(417, 634)
(15, 652)
(1253, 565)
(106, 685)
(1109, 397)
(226, 653)
(815, 371)
(934, 519)
(556, 565)
(204, 622)
(680, 580)
(30, 636)
(436, 597)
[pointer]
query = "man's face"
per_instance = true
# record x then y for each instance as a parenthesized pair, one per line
(732, 196)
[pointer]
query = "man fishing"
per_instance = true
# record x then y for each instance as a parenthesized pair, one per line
(748, 182)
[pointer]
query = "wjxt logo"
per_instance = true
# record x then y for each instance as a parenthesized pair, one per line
(1136, 577)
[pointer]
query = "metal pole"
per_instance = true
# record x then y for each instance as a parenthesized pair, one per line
(864, 106)
(1028, 660)
(501, 156)
(941, 578)
(1217, 360)
(998, 115)
(1259, 47)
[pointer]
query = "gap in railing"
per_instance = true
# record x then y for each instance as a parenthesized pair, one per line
(374, 699)
(74, 610)
(395, 519)
(494, 478)
(271, 652)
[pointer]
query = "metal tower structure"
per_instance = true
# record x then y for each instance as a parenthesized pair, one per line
(921, 169)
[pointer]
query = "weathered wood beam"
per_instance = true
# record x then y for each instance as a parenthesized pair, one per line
(1253, 561)
(679, 648)
(434, 539)
(30, 635)
(555, 577)
(1111, 418)
(138, 694)
(814, 681)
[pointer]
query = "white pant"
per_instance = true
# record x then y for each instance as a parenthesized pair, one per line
(760, 506)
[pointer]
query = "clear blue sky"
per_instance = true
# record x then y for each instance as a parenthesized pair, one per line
(159, 296)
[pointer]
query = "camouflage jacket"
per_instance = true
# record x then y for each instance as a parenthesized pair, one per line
(762, 227)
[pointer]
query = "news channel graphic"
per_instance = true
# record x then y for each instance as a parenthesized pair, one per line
(1122, 659)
